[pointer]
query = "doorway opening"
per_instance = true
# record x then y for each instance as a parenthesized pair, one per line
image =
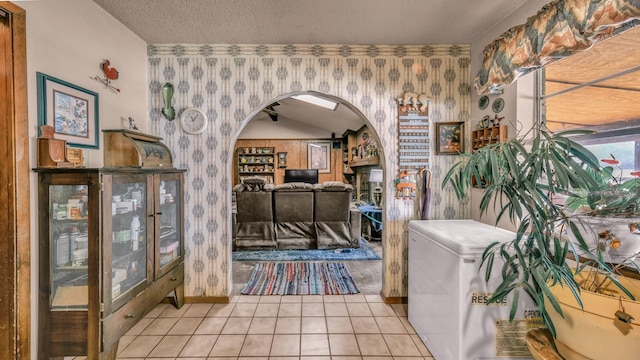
(291, 135)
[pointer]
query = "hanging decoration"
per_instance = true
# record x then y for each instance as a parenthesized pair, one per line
(406, 184)
(413, 131)
(110, 74)
(560, 29)
(168, 111)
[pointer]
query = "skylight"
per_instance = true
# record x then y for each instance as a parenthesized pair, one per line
(318, 101)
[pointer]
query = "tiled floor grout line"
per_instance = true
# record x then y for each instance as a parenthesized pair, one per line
(375, 315)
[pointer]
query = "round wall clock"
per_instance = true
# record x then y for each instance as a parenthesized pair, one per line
(193, 120)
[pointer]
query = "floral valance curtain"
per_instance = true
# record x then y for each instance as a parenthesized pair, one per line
(560, 29)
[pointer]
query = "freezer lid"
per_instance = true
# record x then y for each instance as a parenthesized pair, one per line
(464, 237)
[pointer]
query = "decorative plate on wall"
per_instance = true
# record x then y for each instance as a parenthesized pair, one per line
(483, 102)
(498, 105)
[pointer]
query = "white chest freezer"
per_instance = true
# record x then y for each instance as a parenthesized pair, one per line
(448, 293)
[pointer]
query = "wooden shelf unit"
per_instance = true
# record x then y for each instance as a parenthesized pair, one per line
(364, 162)
(254, 161)
(492, 135)
(348, 151)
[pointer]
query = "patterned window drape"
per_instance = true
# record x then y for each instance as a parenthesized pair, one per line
(560, 29)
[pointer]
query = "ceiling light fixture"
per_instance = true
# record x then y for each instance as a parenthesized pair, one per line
(272, 113)
(318, 101)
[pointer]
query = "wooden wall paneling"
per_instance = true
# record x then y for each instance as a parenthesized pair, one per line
(296, 150)
(278, 174)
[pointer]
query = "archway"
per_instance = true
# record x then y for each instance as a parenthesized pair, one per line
(363, 271)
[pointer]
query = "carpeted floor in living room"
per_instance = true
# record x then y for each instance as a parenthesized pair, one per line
(366, 273)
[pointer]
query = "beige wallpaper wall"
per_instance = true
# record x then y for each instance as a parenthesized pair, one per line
(232, 82)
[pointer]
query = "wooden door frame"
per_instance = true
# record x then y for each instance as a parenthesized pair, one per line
(15, 267)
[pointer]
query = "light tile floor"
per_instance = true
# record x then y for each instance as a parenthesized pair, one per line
(331, 327)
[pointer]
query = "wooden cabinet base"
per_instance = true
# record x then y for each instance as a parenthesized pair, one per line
(118, 323)
(71, 340)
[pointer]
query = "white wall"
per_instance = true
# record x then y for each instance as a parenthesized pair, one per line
(519, 97)
(68, 39)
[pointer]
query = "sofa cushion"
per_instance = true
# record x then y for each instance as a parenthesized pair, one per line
(254, 183)
(333, 186)
(331, 206)
(254, 206)
(295, 235)
(255, 235)
(294, 186)
(238, 188)
(245, 187)
(333, 235)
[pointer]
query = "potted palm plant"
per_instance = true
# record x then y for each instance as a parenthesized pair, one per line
(521, 177)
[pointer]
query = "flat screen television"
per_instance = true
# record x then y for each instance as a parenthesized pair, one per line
(301, 175)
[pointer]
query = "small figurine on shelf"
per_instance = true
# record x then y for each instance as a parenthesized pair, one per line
(496, 120)
(484, 122)
(132, 124)
(51, 151)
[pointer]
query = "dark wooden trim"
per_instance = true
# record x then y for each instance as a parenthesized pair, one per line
(393, 299)
(15, 329)
(207, 299)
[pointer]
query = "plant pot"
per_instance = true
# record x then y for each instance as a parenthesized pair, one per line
(618, 237)
(595, 332)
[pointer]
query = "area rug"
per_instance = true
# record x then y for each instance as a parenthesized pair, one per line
(300, 278)
(364, 252)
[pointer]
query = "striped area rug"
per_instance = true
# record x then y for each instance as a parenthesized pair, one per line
(300, 278)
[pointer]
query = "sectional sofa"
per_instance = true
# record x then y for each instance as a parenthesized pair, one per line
(295, 216)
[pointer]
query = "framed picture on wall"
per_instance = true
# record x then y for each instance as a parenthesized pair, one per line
(319, 156)
(72, 111)
(449, 138)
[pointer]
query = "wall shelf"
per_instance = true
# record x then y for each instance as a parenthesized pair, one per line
(256, 161)
(492, 135)
(364, 162)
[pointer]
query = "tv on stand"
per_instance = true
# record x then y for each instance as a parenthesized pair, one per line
(301, 175)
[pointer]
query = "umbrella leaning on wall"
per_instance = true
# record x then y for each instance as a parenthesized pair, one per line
(425, 191)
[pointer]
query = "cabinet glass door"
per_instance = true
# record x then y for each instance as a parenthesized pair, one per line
(69, 244)
(170, 216)
(128, 234)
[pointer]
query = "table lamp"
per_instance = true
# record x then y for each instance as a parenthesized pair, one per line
(376, 176)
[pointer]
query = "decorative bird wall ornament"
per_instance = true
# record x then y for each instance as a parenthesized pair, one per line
(110, 73)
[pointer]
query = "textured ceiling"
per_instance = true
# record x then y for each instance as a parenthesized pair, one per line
(352, 22)
(390, 22)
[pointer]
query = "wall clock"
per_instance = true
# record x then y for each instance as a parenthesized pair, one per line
(193, 120)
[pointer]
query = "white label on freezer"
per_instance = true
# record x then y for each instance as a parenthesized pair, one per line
(510, 338)
(482, 297)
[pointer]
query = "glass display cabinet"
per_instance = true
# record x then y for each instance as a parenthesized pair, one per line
(111, 249)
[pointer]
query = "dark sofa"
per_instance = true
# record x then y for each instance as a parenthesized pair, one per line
(295, 216)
